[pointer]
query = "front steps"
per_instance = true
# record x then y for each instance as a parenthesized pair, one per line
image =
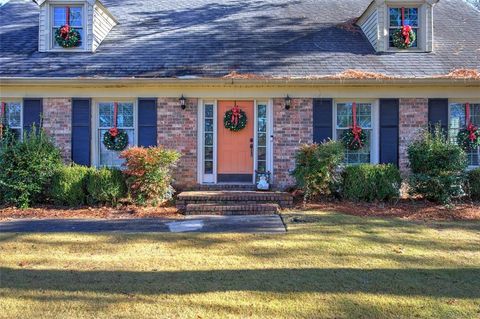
(232, 202)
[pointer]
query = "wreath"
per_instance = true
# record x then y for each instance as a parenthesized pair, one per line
(115, 139)
(354, 139)
(404, 37)
(469, 138)
(235, 119)
(67, 37)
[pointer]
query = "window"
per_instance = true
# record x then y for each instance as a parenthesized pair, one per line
(125, 121)
(59, 15)
(209, 137)
(457, 122)
(395, 18)
(344, 121)
(13, 117)
(262, 137)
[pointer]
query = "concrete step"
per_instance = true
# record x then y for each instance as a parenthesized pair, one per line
(241, 209)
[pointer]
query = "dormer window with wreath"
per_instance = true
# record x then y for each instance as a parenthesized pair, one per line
(403, 28)
(67, 26)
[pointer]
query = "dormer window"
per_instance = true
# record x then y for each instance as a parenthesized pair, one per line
(399, 17)
(70, 16)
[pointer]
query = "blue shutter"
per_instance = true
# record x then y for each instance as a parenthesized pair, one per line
(322, 120)
(147, 122)
(389, 131)
(81, 131)
(438, 113)
(32, 113)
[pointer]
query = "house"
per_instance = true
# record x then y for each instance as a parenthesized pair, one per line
(237, 86)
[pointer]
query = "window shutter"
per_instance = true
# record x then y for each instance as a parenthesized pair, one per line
(438, 113)
(81, 131)
(147, 122)
(32, 113)
(389, 131)
(322, 120)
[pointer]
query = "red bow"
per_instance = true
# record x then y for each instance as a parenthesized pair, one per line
(472, 129)
(65, 30)
(406, 29)
(235, 114)
(356, 130)
(114, 130)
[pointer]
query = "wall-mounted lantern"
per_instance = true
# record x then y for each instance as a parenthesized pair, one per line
(288, 103)
(183, 102)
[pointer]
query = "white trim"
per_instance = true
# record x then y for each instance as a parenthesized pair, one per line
(201, 176)
(375, 146)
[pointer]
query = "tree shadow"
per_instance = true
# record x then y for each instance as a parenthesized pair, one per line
(452, 283)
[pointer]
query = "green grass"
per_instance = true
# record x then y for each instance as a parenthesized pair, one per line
(327, 266)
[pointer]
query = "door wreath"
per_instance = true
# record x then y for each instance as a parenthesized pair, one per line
(235, 119)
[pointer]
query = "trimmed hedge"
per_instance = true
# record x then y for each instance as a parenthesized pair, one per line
(105, 186)
(474, 182)
(371, 182)
(68, 186)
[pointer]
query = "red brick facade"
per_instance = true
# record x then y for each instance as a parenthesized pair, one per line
(291, 128)
(413, 118)
(57, 122)
(177, 129)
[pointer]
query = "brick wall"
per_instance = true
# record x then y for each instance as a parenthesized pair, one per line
(57, 122)
(177, 129)
(413, 118)
(291, 128)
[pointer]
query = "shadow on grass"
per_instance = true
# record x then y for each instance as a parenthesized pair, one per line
(453, 283)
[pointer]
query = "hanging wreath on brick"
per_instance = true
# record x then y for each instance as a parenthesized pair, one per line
(404, 37)
(115, 139)
(66, 36)
(354, 138)
(469, 136)
(235, 119)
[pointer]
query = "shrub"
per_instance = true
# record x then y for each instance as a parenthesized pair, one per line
(68, 185)
(474, 183)
(149, 173)
(371, 182)
(438, 167)
(27, 168)
(105, 186)
(316, 168)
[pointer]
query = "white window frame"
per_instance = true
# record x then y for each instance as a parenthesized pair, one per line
(375, 143)
(461, 101)
(96, 139)
(269, 139)
(7, 101)
(202, 177)
(51, 33)
(418, 27)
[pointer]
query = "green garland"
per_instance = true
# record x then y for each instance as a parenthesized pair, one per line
(117, 142)
(463, 139)
(242, 121)
(399, 40)
(348, 140)
(67, 37)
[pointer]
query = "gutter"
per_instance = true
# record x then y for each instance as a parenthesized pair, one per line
(197, 81)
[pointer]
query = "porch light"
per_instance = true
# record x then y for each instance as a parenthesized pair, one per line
(183, 102)
(288, 102)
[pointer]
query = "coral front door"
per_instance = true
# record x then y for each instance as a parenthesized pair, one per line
(235, 148)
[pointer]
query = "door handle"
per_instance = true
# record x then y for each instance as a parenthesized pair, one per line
(251, 147)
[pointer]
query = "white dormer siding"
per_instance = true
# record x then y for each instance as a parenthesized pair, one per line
(96, 24)
(375, 24)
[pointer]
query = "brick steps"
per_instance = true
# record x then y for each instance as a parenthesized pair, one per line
(232, 202)
(244, 209)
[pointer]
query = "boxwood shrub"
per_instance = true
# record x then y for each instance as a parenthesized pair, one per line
(371, 182)
(474, 182)
(105, 186)
(69, 185)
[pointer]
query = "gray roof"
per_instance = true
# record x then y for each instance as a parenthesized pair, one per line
(206, 38)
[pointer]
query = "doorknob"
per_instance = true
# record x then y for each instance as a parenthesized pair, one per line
(251, 147)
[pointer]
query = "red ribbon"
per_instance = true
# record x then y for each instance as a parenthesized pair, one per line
(114, 130)
(356, 130)
(406, 29)
(472, 129)
(65, 30)
(235, 114)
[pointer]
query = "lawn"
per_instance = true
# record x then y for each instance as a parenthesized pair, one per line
(327, 266)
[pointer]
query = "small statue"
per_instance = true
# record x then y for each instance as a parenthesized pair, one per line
(263, 183)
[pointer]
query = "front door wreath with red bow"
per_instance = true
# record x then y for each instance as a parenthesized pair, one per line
(235, 119)
(66, 36)
(115, 139)
(354, 138)
(469, 136)
(404, 37)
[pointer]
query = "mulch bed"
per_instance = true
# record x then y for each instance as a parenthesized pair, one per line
(409, 209)
(124, 211)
